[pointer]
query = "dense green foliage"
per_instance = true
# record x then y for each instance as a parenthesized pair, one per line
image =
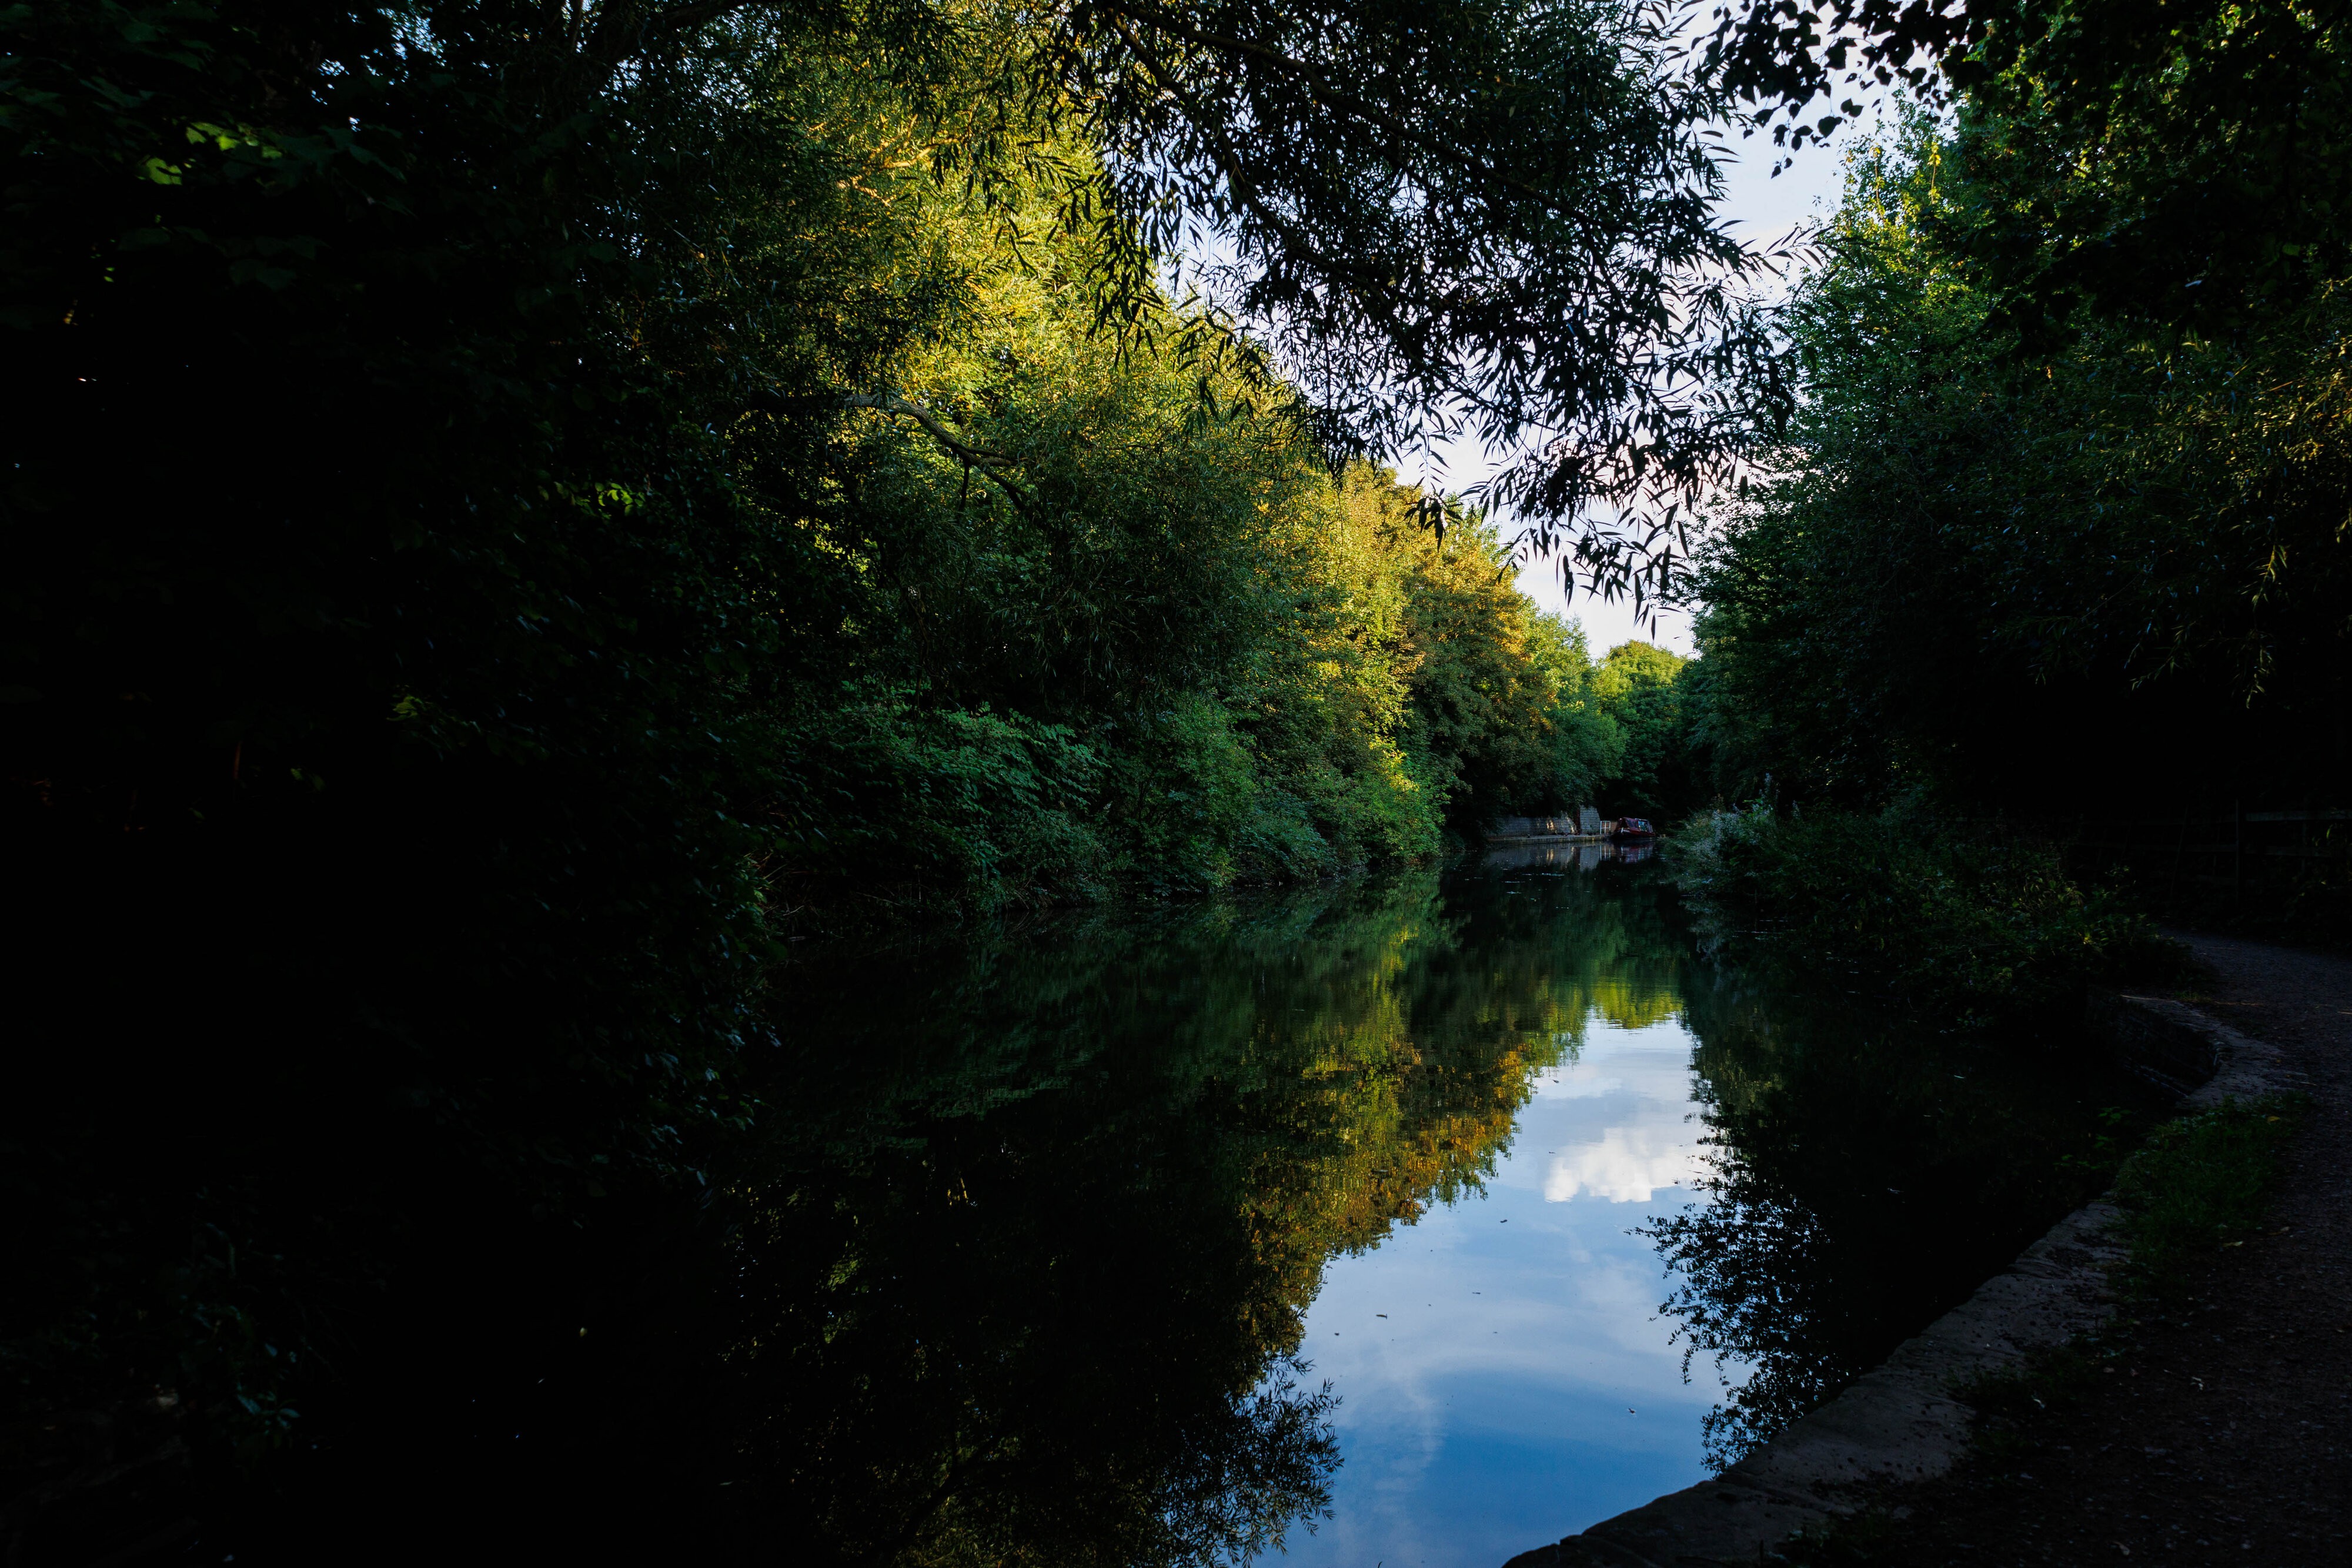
(1951, 928)
(503, 505)
(1358, 688)
(2055, 528)
(1985, 568)
(1614, 732)
(1640, 686)
(2056, 533)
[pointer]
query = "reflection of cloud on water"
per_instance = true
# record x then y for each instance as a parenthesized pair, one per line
(1505, 1374)
(1630, 1165)
(1616, 1124)
(1504, 1371)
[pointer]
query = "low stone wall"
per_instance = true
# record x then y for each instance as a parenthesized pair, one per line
(2165, 1042)
(1902, 1422)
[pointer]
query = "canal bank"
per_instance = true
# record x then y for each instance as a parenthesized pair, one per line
(2211, 1423)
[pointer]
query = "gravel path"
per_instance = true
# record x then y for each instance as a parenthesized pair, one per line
(2224, 1433)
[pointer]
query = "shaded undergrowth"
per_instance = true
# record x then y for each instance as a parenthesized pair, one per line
(1969, 926)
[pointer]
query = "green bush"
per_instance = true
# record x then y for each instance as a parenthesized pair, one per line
(1969, 927)
(1199, 808)
(887, 797)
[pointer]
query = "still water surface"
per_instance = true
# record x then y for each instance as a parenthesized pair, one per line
(1379, 1218)
(1364, 1225)
(1523, 1380)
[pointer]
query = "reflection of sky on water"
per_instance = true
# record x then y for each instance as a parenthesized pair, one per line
(1522, 1385)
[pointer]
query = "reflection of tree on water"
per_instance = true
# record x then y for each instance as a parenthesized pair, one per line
(1032, 1230)
(1546, 854)
(1004, 1265)
(1865, 1180)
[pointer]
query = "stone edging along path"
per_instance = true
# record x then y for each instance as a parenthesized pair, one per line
(1902, 1422)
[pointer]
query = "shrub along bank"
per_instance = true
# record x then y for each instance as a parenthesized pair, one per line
(1965, 927)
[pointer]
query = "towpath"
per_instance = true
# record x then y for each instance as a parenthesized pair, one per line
(2224, 1433)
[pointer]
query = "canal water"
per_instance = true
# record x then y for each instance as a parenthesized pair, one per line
(1505, 1369)
(1413, 1221)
